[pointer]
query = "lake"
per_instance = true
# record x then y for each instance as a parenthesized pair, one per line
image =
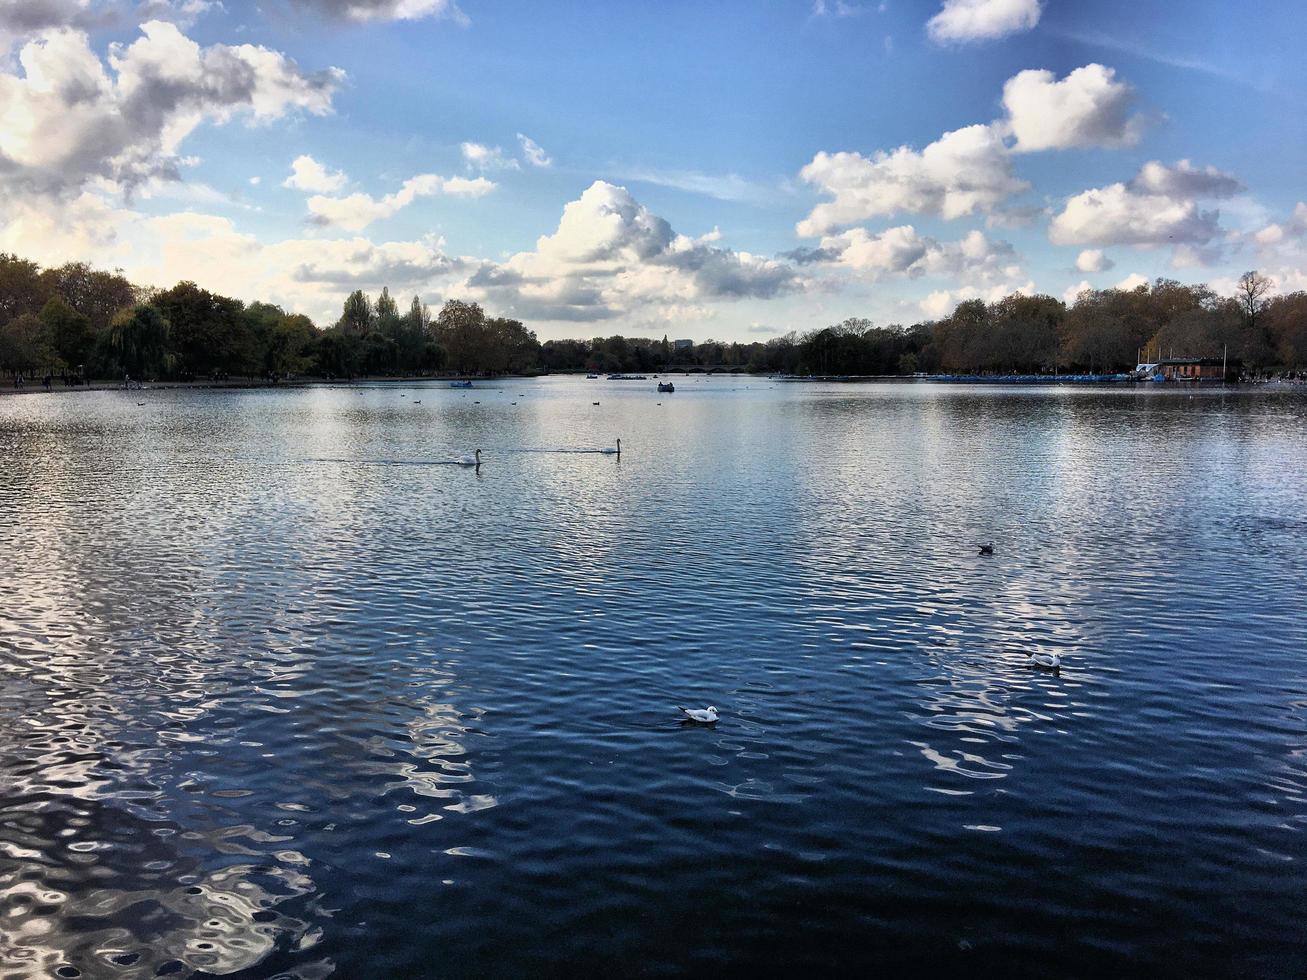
(283, 693)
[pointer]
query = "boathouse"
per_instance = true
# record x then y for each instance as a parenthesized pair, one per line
(1196, 369)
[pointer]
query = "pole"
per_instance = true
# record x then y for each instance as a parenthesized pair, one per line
(1224, 354)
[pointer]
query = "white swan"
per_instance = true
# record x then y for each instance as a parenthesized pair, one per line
(1044, 661)
(613, 452)
(704, 716)
(474, 460)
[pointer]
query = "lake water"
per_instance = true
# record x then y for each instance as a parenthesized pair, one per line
(283, 694)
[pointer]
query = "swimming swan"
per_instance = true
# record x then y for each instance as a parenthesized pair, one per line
(613, 452)
(471, 460)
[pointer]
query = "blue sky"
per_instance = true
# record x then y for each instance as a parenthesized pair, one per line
(731, 170)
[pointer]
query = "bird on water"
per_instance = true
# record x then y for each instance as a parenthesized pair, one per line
(613, 452)
(1044, 661)
(474, 460)
(704, 716)
(986, 549)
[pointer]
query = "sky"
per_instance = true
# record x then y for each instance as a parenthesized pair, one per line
(731, 170)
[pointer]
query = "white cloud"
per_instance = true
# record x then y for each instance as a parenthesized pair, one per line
(1093, 260)
(306, 174)
(307, 275)
(355, 212)
(1158, 207)
(1087, 108)
(1184, 181)
(961, 21)
(1295, 227)
(1132, 281)
(1072, 292)
(361, 11)
(65, 121)
(255, 181)
(964, 171)
(723, 187)
(533, 152)
(183, 13)
(902, 251)
(485, 158)
(944, 301)
(611, 256)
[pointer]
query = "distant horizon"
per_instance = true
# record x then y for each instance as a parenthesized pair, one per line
(730, 174)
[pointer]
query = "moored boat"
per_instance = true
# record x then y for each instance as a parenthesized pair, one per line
(669, 387)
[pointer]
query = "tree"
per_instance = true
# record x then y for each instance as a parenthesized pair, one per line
(69, 332)
(208, 332)
(25, 346)
(356, 317)
(460, 328)
(94, 293)
(1251, 296)
(139, 338)
(21, 287)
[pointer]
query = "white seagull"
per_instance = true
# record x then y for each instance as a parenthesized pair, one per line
(1044, 661)
(704, 716)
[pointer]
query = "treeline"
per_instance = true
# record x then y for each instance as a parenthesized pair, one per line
(1102, 331)
(80, 323)
(84, 323)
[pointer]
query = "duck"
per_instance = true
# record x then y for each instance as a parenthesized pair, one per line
(1044, 661)
(986, 549)
(701, 716)
(474, 460)
(594, 403)
(613, 452)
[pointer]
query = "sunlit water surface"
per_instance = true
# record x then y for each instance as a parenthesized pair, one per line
(282, 693)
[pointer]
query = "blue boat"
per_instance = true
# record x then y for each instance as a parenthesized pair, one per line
(666, 387)
(460, 384)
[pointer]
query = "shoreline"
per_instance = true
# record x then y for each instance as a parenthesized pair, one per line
(36, 388)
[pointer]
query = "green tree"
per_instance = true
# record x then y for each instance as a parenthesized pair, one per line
(208, 332)
(139, 338)
(25, 346)
(460, 328)
(357, 317)
(22, 289)
(69, 332)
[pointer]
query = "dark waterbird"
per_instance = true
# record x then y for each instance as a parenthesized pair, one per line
(986, 549)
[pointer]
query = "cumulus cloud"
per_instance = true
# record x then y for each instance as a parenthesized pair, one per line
(362, 11)
(1132, 282)
(964, 171)
(944, 301)
(1157, 207)
(1184, 181)
(533, 152)
(1073, 292)
(355, 212)
(306, 174)
(1087, 108)
(485, 158)
(65, 121)
(611, 256)
(970, 170)
(1093, 260)
(306, 275)
(903, 251)
(20, 19)
(1295, 227)
(962, 21)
